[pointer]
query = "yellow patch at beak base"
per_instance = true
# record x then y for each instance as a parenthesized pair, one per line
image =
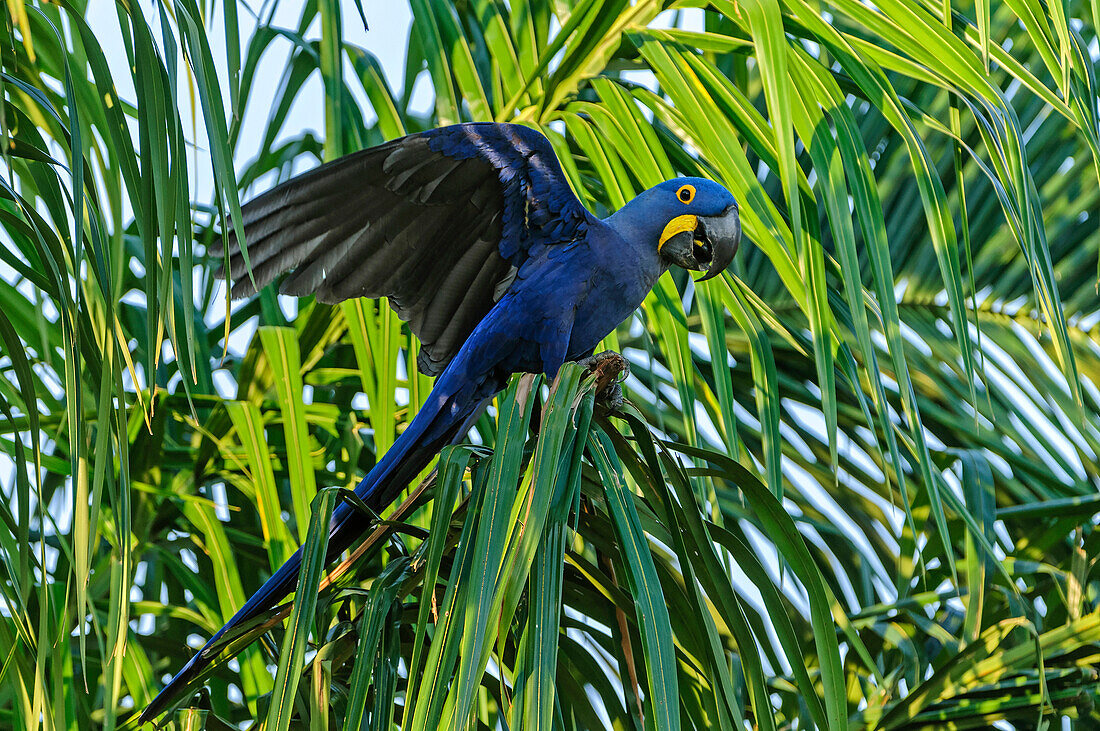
(686, 222)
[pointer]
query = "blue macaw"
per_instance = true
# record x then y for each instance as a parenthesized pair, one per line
(475, 237)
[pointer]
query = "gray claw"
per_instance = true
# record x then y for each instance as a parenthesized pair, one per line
(613, 396)
(611, 370)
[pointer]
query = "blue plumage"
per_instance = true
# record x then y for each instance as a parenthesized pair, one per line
(540, 281)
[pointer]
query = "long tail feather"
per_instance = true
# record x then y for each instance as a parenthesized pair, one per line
(452, 407)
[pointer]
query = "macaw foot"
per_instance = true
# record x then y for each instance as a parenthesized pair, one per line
(611, 370)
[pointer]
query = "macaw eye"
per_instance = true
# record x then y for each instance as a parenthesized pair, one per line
(686, 194)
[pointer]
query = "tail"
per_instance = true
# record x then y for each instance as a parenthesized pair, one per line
(449, 413)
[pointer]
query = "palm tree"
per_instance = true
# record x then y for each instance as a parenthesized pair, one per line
(857, 484)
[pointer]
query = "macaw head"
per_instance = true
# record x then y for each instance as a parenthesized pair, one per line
(693, 223)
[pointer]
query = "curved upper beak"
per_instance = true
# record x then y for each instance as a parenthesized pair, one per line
(710, 246)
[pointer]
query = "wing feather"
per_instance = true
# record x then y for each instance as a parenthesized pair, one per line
(438, 222)
(465, 316)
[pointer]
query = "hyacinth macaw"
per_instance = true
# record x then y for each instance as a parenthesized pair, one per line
(475, 237)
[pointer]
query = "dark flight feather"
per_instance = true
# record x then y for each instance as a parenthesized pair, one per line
(437, 222)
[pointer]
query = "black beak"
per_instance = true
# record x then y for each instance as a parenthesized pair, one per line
(710, 246)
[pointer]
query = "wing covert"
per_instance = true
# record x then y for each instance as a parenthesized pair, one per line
(438, 222)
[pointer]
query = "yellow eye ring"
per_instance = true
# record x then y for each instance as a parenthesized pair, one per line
(686, 194)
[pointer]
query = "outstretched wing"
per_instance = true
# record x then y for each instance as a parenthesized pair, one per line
(438, 222)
